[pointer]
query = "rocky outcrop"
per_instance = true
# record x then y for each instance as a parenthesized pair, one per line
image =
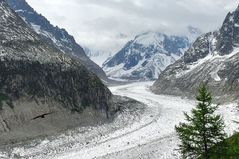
(212, 59)
(228, 37)
(42, 90)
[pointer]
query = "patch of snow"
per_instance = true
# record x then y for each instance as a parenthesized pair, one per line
(214, 74)
(36, 28)
(231, 18)
(19, 10)
(210, 57)
(194, 65)
(236, 25)
(216, 77)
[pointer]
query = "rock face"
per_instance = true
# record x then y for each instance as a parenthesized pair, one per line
(58, 37)
(212, 59)
(42, 90)
(146, 56)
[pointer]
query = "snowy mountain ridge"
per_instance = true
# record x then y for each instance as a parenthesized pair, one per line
(54, 35)
(212, 59)
(145, 57)
(101, 56)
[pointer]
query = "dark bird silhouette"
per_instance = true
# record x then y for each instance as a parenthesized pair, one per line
(41, 116)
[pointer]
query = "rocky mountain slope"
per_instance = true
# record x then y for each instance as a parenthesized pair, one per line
(58, 37)
(42, 90)
(212, 59)
(146, 56)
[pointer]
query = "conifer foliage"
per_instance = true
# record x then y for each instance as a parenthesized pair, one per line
(203, 128)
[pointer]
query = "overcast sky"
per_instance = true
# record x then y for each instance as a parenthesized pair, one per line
(108, 24)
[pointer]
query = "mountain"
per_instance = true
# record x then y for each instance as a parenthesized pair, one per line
(58, 37)
(98, 56)
(43, 90)
(213, 59)
(146, 56)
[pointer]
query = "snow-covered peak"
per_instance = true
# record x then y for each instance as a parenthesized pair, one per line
(150, 38)
(146, 56)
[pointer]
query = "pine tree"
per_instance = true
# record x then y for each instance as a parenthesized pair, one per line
(203, 128)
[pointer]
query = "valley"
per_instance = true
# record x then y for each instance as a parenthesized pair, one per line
(147, 133)
(170, 91)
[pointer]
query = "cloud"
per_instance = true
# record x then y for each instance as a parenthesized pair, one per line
(109, 24)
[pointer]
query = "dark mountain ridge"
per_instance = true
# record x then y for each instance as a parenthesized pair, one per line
(54, 35)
